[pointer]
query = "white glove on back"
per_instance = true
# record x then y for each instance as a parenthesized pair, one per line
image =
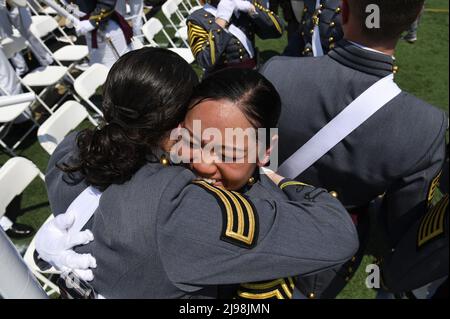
(55, 246)
(83, 27)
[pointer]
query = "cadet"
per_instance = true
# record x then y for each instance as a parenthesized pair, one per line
(375, 156)
(108, 35)
(222, 34)
(19, 16)
(157, 233)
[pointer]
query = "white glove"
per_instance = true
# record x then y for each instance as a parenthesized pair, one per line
(55, 245)
(244, 6)
(225, 9)
(71, 21)
(83, 27)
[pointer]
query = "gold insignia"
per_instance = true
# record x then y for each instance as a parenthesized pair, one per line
(292, 183)
(432, 224)
(240, 219)
(101, 16)
(197, 37)
(433, 186)
(275, 289)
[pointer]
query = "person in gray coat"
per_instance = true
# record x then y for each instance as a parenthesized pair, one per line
(160, 234)
(396, 154)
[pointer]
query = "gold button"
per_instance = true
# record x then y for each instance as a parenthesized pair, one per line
(240, 50)
(206, 15)
(338, 10)
(347, 279)
(311, 295)
(210, 21)
(395, 69)
(311, 31)
(350, 269)
(353, 258)
(334, 194)
(331, 39)
(240, 57)
(332, 24)
(305, 9)
(332, 46)
(164, 161)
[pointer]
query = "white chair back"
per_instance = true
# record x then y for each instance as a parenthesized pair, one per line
(57, 126)
(15, 175)
(90, 80)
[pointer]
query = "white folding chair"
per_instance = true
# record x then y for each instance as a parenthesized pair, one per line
(42, 27)
(57, 126)
(89, 81)
(170, 9)
(43, 276)
(15, 176)
(153, 27)
(11, 107)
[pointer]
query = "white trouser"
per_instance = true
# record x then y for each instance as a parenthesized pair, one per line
(136, 13)
(21, 19)
(107, 52)
(9, 83)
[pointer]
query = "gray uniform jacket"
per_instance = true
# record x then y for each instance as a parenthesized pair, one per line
(160, 235)
(398, 152)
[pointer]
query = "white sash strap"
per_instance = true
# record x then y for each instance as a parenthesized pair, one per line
(356, 113)
(84, 207)
(316, 42)
(234, 30)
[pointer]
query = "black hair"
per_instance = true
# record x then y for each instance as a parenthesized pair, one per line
(396, 16)
(249, 90)
(145, 96)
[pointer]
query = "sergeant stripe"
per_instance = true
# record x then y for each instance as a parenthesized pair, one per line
(432, 224)
(279, 288)
(240, 220)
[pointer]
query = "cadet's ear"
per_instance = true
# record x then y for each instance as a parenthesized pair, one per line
(345, 11)
(263, 160)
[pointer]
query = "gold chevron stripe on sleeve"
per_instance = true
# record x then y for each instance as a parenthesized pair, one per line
(240, 226)
(197, 37)
(279, 289)
(291, 183)
(433, 186)
(432, 224)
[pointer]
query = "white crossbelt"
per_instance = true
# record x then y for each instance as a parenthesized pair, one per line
(234, 30)
(316, 42)
(84, 207)
(356, 113)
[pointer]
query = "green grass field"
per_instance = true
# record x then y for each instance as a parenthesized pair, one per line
(423, 72)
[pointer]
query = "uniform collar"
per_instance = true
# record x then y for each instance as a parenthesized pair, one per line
(362, 59)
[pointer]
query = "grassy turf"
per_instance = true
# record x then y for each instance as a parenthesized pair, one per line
(423, 72)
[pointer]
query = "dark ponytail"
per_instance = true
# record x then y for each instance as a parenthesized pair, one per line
(145, 96)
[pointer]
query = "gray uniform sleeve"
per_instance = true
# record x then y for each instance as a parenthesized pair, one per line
(422, 255)
(210, 236)
(408, 199)
(267, 24)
